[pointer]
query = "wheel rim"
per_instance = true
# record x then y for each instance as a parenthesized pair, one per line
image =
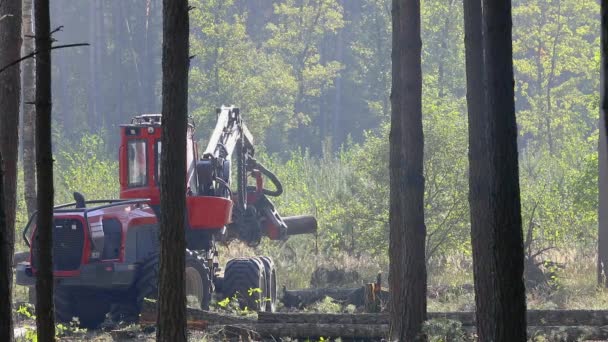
(273, 291)
(194, 285)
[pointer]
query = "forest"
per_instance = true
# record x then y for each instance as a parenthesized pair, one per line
(312, 79)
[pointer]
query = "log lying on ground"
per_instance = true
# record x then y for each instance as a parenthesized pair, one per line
(310, 330)
(354, 296)
(148, 313)
(570, 333)
(379, 331)
(535, 318)
(466, 318)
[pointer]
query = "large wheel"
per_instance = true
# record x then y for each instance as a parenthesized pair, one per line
(271, 283)
(245, 279)
(89, 306)
(197, 278)
(198, 281)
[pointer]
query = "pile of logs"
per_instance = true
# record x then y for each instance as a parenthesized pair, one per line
(555, 325)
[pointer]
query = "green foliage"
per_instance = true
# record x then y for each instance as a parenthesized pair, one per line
(444, 330)
(86, 168)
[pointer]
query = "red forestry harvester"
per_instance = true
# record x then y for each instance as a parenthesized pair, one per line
(105, 252)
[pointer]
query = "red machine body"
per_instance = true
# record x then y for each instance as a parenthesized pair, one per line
(105, 252)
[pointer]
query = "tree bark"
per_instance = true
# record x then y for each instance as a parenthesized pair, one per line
(497, 237)
(29, 112)
(172, 298)
(44, 161)
(10, 87)
(407, 272)
(6, 314)
(602, 238)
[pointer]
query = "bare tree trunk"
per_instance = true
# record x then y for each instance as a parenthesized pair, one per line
(602, 241)
(29, 111)
(93, 83)
(6, 314)
(172, 298)
(497, 237)
(10, 87)
(407, 273)
(44, 161)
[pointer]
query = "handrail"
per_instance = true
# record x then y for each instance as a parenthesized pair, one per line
(65, 208)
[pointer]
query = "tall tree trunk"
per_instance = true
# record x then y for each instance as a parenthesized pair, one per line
(10, 87)
(172, 298)
(336, 133)
(6, 314)
(44, 161)
(29, 111)
(497, 236)
(407, 273)
(602, 239)
(93, 83)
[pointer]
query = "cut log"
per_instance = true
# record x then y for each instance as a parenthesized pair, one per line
(312, 330)
(570, 333)
(299, 298)
(567, 317)
(535, 318)
(354, 296)
(148, 314)
(280, 317)
(466, 318)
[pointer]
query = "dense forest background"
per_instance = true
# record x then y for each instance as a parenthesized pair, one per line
(312, 78)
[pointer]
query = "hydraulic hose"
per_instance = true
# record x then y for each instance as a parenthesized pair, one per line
(273, 178)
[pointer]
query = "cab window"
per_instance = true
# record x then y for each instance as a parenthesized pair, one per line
(137, 156)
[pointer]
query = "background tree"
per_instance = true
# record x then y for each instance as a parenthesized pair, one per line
(29, 111)
(172, 297)
(44, 176)
(6, 313)
(10, 88)
(602, 241)
(407, 277)
(497, 237)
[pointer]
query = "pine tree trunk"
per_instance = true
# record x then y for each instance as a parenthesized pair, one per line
(497, 237)
(29, 111)
(602, 238)
(407, 273)
(10, 87)
(6, 314)
(93, 82)
(172, 298)
(44, 161)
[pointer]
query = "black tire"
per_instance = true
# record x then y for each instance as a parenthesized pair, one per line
(271, 283)
(243, 275)
(127, 307)
(89, 306)
(146, 283)
(198, 280)
(199, 284)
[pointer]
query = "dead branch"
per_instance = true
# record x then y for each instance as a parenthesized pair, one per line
(30, 55)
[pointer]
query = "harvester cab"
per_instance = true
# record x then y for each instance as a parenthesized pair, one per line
(106, 251)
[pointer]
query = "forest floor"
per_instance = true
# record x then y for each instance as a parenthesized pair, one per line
(573, 286)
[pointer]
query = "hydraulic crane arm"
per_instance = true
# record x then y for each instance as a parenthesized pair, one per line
(254, 214)
(228, 130)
